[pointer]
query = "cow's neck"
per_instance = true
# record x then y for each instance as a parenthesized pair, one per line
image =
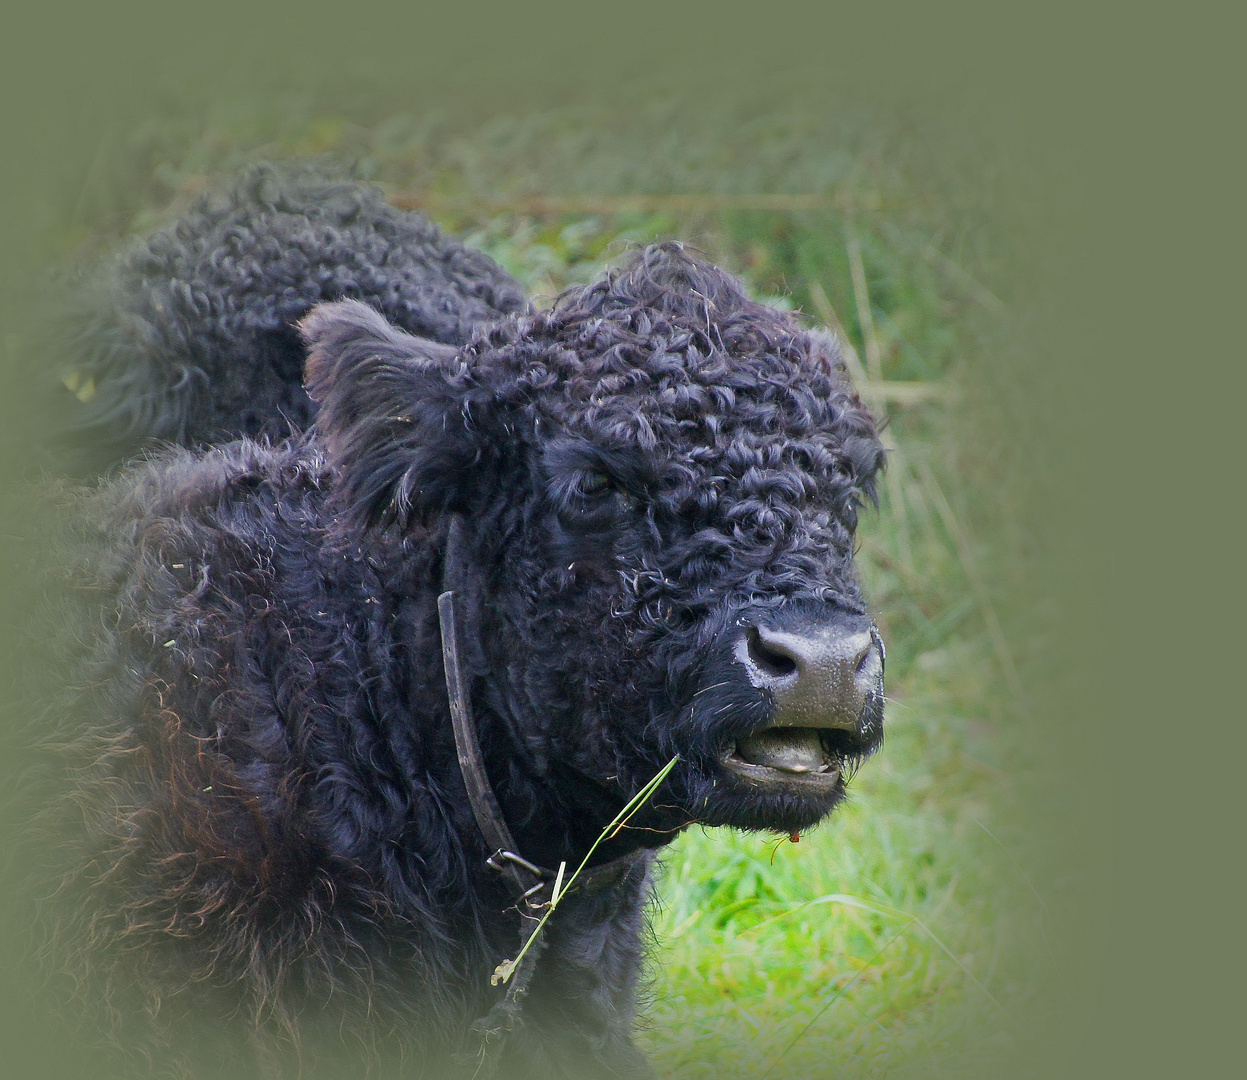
(530, 882)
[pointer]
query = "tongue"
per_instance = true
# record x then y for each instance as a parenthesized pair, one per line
(797, 750)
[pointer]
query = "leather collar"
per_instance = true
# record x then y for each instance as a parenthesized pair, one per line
(529, 884)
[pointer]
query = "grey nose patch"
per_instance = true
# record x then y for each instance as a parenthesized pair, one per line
(820, 677)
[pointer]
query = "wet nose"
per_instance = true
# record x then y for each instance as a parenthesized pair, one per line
(821, 672)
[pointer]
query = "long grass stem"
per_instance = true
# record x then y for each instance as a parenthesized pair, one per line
(506, 969)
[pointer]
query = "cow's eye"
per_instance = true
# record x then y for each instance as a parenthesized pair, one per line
(595, 483)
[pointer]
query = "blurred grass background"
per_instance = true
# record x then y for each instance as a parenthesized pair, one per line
(923, 931)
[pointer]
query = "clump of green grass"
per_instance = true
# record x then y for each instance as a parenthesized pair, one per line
(906, 935)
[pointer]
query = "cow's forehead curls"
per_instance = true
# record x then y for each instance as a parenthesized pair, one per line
(669, 356)
(671, 337)
(669, 301)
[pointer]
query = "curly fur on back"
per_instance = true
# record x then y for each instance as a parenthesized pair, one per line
(277, 836)
(188, 336)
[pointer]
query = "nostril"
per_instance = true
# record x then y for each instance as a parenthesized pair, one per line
(821, 671)
(767, 656)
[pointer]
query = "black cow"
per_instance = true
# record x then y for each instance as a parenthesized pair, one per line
(644, 502)
(189, 336)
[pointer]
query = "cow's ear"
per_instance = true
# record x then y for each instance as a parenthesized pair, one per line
(394, 413)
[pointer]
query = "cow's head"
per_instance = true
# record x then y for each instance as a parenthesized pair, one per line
(661, 481)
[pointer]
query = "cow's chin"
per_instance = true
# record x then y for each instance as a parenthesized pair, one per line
(780, 779)
(757, 800)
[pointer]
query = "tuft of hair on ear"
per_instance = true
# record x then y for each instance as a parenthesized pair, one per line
(385, 398)
(346, 335)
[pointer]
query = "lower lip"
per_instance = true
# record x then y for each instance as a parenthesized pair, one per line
(764, 774)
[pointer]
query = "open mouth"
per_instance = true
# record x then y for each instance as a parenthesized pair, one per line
(812, 757)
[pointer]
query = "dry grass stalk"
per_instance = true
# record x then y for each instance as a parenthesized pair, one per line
(865, 318)
(1000, 644)
(692, 203)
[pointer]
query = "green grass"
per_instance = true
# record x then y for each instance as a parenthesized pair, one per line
(912, 934)
(886, 933)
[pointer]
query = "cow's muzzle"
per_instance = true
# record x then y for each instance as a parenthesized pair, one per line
(825, 673)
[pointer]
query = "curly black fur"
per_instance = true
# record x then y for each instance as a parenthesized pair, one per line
(277, 833)
(188, 336)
